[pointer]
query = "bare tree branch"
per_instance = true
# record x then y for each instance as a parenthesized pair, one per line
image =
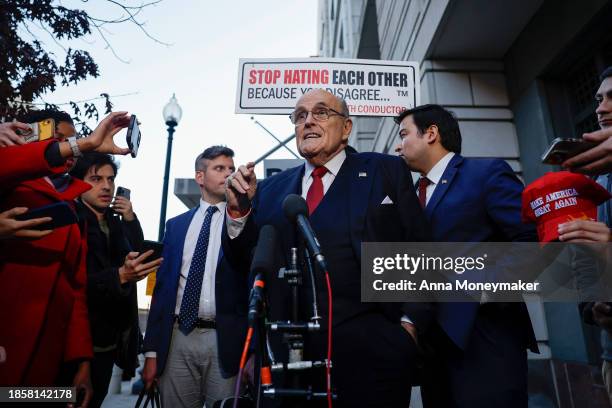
(41, 26)
(109, 46)
(131, 17)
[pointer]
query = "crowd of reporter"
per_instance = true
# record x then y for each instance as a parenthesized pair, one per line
(68, 296)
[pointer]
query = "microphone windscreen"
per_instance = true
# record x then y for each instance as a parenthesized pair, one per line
(294, 205)
(264, 258)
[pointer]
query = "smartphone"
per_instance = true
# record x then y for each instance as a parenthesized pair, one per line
(43, 130)
(133, 136)
(157, 248)
(123, 192)
(61, 213)
(562, 149)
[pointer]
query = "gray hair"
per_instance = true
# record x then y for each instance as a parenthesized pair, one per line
(343, 107)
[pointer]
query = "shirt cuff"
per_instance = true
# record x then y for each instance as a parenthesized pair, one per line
(405, 319)
(150, 354)
(53, 156)
(235, 225)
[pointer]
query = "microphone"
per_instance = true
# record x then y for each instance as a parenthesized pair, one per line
(262, 264)
(296, 210)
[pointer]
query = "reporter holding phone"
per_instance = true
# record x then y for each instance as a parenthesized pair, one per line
(43, 310)
(597, 162)
(114, 265)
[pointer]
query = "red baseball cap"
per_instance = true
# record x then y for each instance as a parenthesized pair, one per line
(557, 198)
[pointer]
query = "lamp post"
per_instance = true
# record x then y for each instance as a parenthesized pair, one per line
(172, 116)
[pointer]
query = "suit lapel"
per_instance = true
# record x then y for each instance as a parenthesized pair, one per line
(443, 185)
(182, 225)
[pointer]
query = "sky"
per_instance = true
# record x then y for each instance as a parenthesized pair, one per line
(200, 66)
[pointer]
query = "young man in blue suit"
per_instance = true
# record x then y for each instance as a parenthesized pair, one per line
(352, 197)
(481, 348)
(197, 321)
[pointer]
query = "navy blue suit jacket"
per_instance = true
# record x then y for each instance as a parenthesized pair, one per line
(368, 178)
(231, 296)
(477, 200)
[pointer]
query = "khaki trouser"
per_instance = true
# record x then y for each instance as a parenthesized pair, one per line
(192, 376)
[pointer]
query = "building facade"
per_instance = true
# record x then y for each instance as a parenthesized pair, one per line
(517, 74)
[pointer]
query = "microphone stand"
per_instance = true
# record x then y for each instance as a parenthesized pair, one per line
(293, 332)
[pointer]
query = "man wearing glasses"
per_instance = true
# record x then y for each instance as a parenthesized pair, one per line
(352, 197)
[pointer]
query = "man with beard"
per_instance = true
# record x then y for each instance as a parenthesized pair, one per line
(114, 265)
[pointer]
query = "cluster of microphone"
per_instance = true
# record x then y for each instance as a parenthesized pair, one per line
(263, 263)
(262, 266)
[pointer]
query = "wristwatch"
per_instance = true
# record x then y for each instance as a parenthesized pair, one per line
(76, 152)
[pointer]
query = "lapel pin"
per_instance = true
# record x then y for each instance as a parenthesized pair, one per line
(363, 174)
(443, 181)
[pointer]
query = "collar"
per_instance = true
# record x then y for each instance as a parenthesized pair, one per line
(436, 172)
(333, 165)
(204, 206)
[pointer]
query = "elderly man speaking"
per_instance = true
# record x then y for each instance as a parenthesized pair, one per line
(352, 197)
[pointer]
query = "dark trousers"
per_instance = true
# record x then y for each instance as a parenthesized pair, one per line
(101, 373)
(491, 372)
(373, 360)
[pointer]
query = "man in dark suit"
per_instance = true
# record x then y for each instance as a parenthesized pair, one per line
(352, 198)
(114, 238)
(481, 347)
(197, 321)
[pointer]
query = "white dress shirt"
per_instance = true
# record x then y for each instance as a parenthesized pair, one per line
(235, 225)
(207, 295)
(435, 174)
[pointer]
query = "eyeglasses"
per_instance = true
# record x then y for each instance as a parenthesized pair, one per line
(319, 114)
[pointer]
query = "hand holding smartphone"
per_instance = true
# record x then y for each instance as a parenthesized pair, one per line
(157, 248)
(39, 131)
(60, 213)
(562, 149)
(133, 136)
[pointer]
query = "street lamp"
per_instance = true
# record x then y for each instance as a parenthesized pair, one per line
(172, 116)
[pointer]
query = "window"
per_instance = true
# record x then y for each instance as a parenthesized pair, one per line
(581, 85)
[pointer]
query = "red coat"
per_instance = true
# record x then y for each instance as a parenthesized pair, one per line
(43, 312)
(27, 162)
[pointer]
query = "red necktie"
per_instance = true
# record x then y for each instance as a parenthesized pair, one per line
(423, 183)
(315, 192)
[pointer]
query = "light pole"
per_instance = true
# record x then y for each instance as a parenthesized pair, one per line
(172, 116)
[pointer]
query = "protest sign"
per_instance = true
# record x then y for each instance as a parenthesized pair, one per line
(369, 87)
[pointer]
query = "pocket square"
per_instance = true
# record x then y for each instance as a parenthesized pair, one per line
(387, 200)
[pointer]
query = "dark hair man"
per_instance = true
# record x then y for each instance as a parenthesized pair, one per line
(42, 295)
(598, 160)
(352, 197)
(469, 200)
(114, 265)
(197, 321)
(599, 313)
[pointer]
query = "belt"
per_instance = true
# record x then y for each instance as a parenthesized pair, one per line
(201, 323)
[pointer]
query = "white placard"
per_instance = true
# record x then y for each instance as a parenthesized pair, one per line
(369, 87)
